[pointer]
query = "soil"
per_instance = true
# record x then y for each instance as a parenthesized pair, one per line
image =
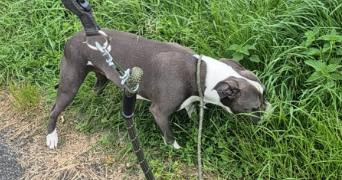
(77, 157)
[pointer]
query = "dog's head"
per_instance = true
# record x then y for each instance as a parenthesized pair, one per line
(243, 94)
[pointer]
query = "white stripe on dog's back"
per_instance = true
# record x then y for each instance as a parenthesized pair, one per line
(216, 72)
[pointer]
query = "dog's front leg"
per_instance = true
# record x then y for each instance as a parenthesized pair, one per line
(162, 118)
(71, 77)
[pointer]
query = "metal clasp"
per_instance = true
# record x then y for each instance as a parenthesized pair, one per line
(105, 54)
(105, 45)
(125, 77)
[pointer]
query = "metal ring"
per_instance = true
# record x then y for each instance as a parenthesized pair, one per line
(127, 116)
(105, 45)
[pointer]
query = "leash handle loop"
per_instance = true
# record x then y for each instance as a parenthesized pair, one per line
(85, 5)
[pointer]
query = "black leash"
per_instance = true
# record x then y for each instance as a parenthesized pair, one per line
(130, 79)
(82, 9)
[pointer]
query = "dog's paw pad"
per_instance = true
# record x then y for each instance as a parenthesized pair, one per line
(52, 140)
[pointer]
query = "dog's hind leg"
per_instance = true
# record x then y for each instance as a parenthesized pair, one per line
(162, 120)
(71, 78)
(100, 84)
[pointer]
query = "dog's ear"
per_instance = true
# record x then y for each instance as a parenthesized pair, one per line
(228, 88)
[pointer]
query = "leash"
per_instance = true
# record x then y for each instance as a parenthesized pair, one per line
(199, 141)
(82, 9)
(129, 79)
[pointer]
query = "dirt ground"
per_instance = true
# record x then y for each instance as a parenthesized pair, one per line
(26, 134)
(78, 157)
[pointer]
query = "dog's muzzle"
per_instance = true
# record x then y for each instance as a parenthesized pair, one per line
(261, 117)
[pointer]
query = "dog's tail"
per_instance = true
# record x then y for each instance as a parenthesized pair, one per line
(56, 87)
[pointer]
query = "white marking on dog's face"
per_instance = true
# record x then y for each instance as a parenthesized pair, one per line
(52, 140)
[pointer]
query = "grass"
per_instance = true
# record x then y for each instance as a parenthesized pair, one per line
(25, 96)
(293, 46)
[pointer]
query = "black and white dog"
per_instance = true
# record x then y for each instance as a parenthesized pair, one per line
(169, 80)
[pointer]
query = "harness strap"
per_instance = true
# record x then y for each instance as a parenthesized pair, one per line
(82, 9)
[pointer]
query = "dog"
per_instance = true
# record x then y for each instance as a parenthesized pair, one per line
(169, 80)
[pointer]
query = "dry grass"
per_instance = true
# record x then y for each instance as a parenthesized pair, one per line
(26, 133)
(78, 156)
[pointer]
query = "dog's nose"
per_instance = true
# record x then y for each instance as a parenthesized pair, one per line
(268, 107)
(267, 112)
(256, 120)
(256, 117)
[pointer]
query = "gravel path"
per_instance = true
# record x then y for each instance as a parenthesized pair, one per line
(9, 169)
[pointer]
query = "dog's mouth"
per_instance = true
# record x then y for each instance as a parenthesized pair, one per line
(262, 116)
(258, 117)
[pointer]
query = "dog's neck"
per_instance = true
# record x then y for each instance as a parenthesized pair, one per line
(218, 71)
(215, 73)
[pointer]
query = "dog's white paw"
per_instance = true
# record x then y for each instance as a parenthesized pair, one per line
(52, 140)
(176, 145)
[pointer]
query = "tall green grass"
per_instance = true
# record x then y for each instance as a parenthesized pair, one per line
(294, 46)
